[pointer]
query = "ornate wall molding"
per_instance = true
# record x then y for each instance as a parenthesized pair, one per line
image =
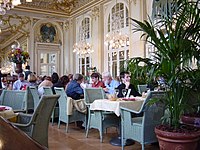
(95, 12)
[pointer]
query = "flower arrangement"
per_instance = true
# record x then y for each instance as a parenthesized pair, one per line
(17, 55)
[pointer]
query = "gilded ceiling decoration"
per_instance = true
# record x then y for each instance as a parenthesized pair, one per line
(12, 24)
(62, 6)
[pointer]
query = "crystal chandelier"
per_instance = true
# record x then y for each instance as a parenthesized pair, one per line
(83, 47)
(8, 4)
(115, 39)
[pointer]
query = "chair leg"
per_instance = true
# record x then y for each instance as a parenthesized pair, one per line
(52, 118)
(59, 123)
(142, 146)
(101, 135)
(67, 127)
(88, 125)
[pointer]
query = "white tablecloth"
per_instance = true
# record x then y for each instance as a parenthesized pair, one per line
(7, 113)
(108, 105)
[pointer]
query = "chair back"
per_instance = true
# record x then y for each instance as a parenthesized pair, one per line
(14, 99)
(41, 118)
(34, 92)
(62, 100)
(30, 99)
(142, 88)
(155, 111)
(150, 95)
(91, 94)
(48, 91)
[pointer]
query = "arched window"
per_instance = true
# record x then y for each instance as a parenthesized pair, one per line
(84, 61)
(117, 21)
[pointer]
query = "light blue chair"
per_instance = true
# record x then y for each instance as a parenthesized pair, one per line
(36, 125)
(141, 129)
(48, 91)
(63, 117)
(15, 99)
(98, 119)
(142, 88)
(35, 95)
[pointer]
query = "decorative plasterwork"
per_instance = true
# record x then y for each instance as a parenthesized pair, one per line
(12, 25)
(95, 12)
(66, 25)
(130, 1)
(62, 6)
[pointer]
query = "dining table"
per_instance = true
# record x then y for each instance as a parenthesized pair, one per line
(135, 103)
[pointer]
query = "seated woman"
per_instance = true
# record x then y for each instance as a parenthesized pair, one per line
(62, 82)
(125, 79)
(96, 82)
(46, 83)
(74, 89)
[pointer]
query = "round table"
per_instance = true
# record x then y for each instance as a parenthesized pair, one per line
(8, 113)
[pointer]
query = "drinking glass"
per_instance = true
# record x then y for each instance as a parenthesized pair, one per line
(124, 92)
(116, 92)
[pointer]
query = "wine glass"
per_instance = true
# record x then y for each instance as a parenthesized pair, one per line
(116, 92)
(124, 92)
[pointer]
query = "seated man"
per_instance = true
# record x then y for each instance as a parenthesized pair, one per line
(74, 89)
(109, 82)
(20, 84)
(125, 78)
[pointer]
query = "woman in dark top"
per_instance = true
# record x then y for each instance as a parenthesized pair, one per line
(62, 82)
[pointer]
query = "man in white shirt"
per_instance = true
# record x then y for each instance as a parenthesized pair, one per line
(20, 84)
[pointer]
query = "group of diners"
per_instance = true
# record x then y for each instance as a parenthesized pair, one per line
(74, 84)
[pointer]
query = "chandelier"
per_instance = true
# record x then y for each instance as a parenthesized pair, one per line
(8, 4)
(115, 39)
(82, 47)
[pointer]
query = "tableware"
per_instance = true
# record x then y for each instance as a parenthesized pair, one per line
(129, 99)
(124, 92)
(116, 91)
(2, 108)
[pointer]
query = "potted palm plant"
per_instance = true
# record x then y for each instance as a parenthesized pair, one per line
(176, 38)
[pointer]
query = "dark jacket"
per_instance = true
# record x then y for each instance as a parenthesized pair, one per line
(74, 90)
(134, 92)
(58, 84)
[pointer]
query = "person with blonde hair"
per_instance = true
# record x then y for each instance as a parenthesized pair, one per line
(32, 79)
(46, 83)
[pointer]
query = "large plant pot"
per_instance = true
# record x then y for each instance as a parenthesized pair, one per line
(177, 141)
(18, 68)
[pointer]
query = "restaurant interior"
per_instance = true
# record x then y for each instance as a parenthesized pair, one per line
(99, 74)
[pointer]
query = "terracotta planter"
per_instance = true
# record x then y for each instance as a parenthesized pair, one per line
(18, 68)
(191, 120)
(177, 141)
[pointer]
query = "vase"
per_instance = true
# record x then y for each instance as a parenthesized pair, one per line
(18, 68)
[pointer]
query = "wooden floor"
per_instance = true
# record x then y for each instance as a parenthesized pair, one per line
(75, 140)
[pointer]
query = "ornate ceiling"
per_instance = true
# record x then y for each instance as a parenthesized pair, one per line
(66, 7)
(59, 8)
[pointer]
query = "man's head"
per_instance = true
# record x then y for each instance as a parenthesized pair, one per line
(106, 77)
(78, 77)
(125, 76)
(21, 76)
